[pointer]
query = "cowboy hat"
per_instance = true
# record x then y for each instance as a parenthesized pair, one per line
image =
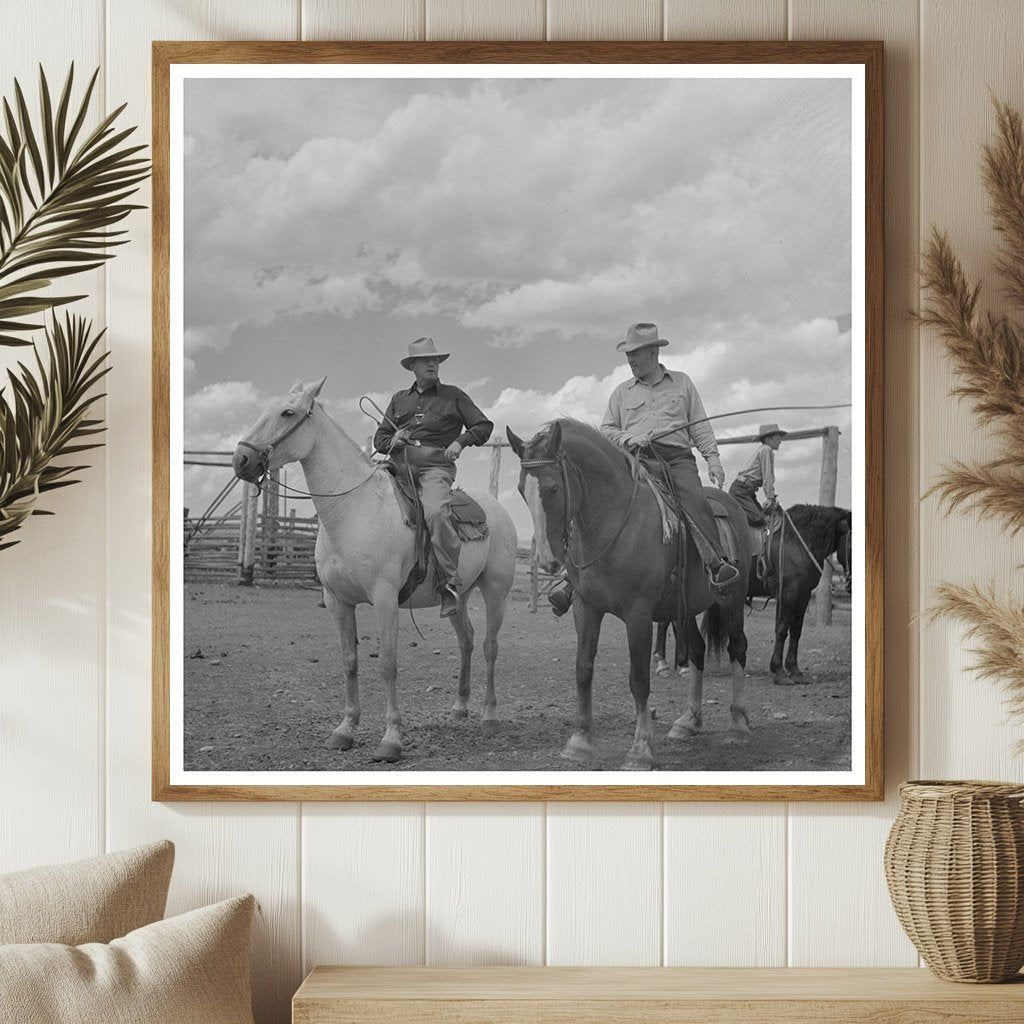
(767, 429)
(423, 348)
(640, 336)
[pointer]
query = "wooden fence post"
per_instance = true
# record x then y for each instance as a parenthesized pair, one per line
(271, 505)
(249, 548)
(496, 447)
(243, 521)
(827, 496)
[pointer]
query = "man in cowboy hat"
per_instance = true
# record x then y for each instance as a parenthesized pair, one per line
(759, 474)
(651, 414)
(426, 427)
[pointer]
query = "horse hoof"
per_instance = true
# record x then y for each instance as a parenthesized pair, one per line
(340, 741)
(681, 732)
(460, 712)
(578, 750)
(388, 752)
(640, 763)
(661, 668)
(737, 738)
(798, 678)
(490, 727)
(780, 680)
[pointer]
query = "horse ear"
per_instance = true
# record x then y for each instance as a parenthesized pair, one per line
(296, 388)
(555, 436)
(314, 389)
(517, 443)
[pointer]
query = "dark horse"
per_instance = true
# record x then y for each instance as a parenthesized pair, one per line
(605, 526)
(825, 531)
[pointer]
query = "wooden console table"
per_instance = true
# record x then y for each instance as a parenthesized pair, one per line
(634, 995)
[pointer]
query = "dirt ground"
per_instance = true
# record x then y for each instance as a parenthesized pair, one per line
(263, 691)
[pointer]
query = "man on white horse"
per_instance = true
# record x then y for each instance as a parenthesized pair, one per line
(659, 415)
(426, 427)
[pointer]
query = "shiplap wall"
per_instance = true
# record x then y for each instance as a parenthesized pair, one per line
(753, 884)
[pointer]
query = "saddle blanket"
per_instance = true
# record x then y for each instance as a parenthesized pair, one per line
(725, 534)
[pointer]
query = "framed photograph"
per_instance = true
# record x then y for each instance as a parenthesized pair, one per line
(517, 421)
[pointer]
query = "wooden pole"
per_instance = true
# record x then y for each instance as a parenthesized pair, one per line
(270, 522)
(827, 496)
(495, 468)
(249, 550)
(243, 522)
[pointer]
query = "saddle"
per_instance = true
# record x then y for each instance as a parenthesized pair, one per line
(468, 518)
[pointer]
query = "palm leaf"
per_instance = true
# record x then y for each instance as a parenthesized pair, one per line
(62, 191)
(45, 417)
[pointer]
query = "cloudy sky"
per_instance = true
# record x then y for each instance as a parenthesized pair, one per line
(523, 224)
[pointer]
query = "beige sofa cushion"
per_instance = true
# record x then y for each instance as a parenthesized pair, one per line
(190, 969)
(93, 900)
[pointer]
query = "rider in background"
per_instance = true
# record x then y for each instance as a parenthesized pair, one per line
(759, 474)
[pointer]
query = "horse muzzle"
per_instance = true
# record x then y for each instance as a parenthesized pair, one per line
(249, 465)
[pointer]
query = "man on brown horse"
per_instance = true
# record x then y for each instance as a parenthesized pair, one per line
(660, 415)
(759, 474)
(425, 429)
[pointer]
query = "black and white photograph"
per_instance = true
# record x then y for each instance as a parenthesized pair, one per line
(517, 425)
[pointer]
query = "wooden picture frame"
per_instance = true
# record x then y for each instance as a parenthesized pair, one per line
(862, 65)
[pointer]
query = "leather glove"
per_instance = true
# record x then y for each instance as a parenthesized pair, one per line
(715, 471)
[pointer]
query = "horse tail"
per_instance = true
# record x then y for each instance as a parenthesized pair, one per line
(713, 628)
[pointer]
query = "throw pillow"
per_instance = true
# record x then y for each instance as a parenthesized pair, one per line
(93, 900)
(190, 969)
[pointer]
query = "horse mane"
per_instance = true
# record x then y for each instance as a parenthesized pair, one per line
(817, 525)
(578, 436)
(341, 430)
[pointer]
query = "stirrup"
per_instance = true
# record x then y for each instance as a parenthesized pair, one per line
(725, 575)
(560, 598)
(449, 601)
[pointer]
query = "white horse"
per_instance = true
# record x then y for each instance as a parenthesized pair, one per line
(365, 551)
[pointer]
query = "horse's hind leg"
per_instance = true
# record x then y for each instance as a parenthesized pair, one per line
(660, 649)
(464, 631)
(690, 721)
(739, 730)
(495, 600)
(796, 626)
(345, 616)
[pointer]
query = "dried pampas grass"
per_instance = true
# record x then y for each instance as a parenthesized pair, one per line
(987, 354)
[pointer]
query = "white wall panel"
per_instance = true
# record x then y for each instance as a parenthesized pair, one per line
(604, 19)
(362, 884)
(604, 882)
(507, 20)
(363, 19)
(726, 19)
(226, 848)
(835, 852)
(967, 49)
(51, 583)
(725, 885)
(485, 883)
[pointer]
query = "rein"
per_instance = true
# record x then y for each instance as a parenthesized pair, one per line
(564, 463)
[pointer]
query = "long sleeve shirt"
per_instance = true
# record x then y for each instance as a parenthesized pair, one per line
(636, 408)
(434, 417)
(760, 472)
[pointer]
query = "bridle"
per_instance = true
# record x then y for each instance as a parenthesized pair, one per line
(267, 451)
(564, 463)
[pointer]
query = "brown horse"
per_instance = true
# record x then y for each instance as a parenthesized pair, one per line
(604, 525)
(825, 531)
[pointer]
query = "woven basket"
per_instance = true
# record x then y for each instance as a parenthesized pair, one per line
(954, 861)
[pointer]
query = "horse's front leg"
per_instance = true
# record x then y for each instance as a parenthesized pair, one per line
(386, 607)
(690, 721)
(638, 633)
(345, 616)
(588, 631)
(464, 631)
